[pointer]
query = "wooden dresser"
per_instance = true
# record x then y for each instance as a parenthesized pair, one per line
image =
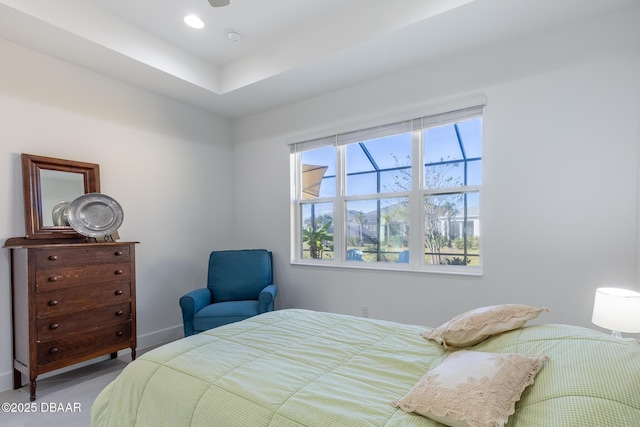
(71, 303)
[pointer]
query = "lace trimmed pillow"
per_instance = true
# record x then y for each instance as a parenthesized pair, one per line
(472, 389)
(479, 324)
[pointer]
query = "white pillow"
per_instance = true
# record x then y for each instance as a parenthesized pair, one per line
(479, 324)
(472, 389)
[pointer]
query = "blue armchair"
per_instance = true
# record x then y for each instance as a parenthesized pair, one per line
(239, 285)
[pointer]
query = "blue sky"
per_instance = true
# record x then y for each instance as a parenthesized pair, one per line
(441, 143)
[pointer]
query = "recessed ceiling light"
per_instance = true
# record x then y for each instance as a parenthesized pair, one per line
(194, 21)
(234, 35)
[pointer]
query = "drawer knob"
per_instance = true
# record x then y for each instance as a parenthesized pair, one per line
(118, 292)
(53, 278)
(53, 257)
(53, 302)
(118, 253)
(119, 333)
(53, 350)
(118, 271)
(53, 326)
(119, 313)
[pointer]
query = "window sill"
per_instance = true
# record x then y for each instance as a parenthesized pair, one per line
(362, 265)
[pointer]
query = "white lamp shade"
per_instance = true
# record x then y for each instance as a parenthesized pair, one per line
(617, 310)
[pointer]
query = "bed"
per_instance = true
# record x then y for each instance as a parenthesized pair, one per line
(304, 368)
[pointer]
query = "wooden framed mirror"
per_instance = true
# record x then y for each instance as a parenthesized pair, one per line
(47, 184)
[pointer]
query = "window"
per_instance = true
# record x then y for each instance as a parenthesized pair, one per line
(405, 195)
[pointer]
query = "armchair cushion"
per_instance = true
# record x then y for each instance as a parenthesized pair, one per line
(219, 314)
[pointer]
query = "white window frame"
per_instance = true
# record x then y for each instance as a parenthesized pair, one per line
(416, 195)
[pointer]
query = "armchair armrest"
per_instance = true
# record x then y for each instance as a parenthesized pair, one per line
(191, 303)
(266, 298)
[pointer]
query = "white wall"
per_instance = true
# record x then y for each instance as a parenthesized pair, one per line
(559, 206)
(166, 163)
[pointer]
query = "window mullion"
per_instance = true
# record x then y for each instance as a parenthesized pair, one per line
(296, 209)
(339, 209)
(452, 190)
(416, 230)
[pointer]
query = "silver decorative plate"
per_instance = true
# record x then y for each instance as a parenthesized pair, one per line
(95, 215)
(59, 214)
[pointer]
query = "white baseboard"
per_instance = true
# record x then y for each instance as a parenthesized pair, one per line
(145, 342)
(163, 336)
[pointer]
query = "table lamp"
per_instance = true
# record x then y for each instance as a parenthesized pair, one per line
(617, 309)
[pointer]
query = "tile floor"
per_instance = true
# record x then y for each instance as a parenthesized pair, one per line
(74, 390)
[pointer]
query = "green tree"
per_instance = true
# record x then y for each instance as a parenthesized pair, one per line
(437, 207)
(436, 235)
(387, 218)
(318, 238)
(359, 219)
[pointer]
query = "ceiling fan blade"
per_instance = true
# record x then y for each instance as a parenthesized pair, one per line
(219, 3)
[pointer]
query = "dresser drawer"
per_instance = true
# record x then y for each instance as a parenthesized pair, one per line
(64, 277)
(83, 322)
(80, 345)
(81, 298)
(83, 254)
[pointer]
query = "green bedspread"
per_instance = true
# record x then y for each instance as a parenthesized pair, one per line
(304, 368)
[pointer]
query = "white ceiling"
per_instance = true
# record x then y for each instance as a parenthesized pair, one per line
(291, 49)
